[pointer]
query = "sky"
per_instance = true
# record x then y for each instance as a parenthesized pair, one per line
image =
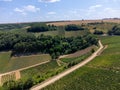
(15, 11)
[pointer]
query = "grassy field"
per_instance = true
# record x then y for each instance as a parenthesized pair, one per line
(7, 63)
(75, 33)
(66, 34)
(4, 59)
(101, 27)
(103, 73)
(76, 59)
(42, 70)
(51, 33)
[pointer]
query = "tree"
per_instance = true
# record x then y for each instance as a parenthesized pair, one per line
(98, 32)
(73, 27)
(41, 27)
(115, 30)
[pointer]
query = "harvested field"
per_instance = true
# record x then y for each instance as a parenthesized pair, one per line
(62, 23)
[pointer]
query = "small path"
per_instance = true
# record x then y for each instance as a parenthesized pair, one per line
(17, 75)
(68, 71)
(60, 63)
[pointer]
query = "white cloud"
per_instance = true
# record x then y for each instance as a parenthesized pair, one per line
(49, 1)
(20, 11)
(92, 9)
(6, 0)
(104, 12)
(111, 12)
(25, 9)
(31, 8)
(51, 13)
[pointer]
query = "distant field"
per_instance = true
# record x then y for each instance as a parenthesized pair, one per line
(105, 27)
(7, 63)
(101, 25)
(103, 73)
(22, 30)
(67, 33)
(51, 33)
(62, 23)
(75, 33)
(78, 22)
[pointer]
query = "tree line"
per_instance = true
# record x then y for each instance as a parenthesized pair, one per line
(73, 27)
(43, 27)
(27, 43)
(115, 30)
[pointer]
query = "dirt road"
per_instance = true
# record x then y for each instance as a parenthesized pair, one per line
(68, 71)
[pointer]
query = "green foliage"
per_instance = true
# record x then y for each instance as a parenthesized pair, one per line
(73, 27)
(8, 27)
(41, 27)
(27, 44)
(92, 51)
(98, 32)
(18, 85)
(115, 30)
(8, 40)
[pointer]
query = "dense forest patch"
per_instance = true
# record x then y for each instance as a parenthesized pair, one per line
(26, 44)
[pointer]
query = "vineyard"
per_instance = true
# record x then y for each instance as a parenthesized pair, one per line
(13, 63)
(42, 70)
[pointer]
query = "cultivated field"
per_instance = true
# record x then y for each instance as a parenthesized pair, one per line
(4, 59)
(8, 63)
(42, 70)
(103, 73)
